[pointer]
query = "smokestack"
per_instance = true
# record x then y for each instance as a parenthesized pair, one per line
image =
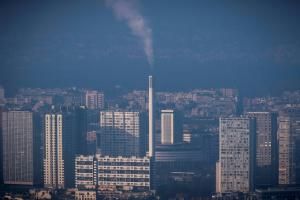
(151, 120)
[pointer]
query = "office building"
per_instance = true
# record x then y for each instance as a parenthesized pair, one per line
(289, 146)
(234, 171)
(20, 148)
(266, 170)
(94, 99)
(122, 134)
(112, 173)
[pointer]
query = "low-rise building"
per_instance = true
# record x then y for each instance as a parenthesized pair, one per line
(85, 195)
(112, 173)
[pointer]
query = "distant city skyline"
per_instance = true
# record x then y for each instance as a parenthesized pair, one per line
(137, 99)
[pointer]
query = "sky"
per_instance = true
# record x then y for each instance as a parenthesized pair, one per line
(253, 46)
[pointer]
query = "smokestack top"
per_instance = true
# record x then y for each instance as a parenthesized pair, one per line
(150, 81)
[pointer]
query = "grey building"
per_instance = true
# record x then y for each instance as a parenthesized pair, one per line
(2, 95)
(20, 148)
(235, 168)
(179, 157)
(122, 133)
(266, 170)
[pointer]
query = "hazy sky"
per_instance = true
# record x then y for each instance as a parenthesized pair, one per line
(250, 45)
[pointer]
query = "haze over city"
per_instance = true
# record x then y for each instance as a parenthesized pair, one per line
(252, 46)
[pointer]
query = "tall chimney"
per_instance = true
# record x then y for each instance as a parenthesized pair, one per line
(151, 120)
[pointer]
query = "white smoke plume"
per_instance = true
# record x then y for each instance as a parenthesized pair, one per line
(126, 10)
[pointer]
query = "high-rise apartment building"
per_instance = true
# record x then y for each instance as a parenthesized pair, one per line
(266, 170)
(94, 99)
(54, 176)
(20, 148)
(170, 127)
(234, 171)
(289, 146)
(64, 137)
(123, 133)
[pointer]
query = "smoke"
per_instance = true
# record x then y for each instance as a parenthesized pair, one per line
(126, 10)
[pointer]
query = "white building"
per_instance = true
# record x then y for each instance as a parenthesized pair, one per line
(187, 136)
(167, 127)
(234, 171)
(112, 173)
(53, 155)
(85, 166)
(94, 99)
